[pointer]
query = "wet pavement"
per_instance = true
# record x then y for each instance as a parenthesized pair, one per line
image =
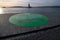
(7, 28)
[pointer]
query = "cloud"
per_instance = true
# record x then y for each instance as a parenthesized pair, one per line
(42, 2)
(35, 2)
(46, 2)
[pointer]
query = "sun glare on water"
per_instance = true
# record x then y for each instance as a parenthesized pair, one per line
(1, 10)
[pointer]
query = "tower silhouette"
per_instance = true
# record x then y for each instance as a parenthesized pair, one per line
(29, 6)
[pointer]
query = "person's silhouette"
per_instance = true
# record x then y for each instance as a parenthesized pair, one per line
(29, 6)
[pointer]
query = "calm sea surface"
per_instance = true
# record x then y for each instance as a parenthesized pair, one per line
(33, 10)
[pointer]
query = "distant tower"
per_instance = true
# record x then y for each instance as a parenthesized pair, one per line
(29, 6)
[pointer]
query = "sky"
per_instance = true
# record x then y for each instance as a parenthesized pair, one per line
(32, 2)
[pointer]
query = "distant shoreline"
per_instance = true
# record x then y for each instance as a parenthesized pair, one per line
(33, 7)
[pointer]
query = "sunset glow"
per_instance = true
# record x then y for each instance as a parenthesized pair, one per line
(7, 4)
(10, 3)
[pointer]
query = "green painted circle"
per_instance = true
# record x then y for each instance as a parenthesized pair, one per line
(28, 20)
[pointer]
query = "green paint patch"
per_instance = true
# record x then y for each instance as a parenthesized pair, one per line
(28, 20)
